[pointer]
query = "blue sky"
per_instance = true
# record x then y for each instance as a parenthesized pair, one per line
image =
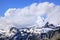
(5, 4)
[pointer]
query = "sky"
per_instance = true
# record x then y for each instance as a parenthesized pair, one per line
(6, 4)
(25, 13)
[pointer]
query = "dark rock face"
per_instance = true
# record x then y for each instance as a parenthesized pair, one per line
(17, 35)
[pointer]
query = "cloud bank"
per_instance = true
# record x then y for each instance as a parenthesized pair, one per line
(30, 15)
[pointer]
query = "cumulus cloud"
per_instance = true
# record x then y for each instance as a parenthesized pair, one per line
(54, 16)
(31, 15)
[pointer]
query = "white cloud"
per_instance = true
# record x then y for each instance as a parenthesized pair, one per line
(28, 15)
(54, 15)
